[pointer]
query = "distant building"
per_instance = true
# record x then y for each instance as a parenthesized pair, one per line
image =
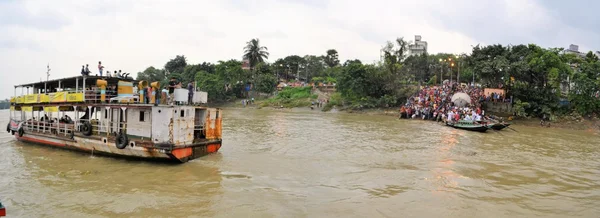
(574, 49)
(418, 47)
(246, 64)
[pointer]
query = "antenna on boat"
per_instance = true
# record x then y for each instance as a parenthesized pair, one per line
(48, 72)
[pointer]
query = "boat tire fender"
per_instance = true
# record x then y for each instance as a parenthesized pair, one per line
(121, 141)
(8, 128)
(21, 131)
(86, 129)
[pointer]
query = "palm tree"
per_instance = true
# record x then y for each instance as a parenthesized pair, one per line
(255, 53)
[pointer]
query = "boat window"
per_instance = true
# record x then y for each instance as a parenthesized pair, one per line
(142, 116)
(181, 113)
(106, 114)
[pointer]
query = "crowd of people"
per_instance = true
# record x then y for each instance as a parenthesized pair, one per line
(85, 71)
(166, 95)
(435, 103)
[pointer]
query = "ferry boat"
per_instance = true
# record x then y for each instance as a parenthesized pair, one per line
(107, 116)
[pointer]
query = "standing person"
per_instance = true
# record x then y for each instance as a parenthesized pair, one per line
(157, 95)
(164, 94)
(100, 67)
(82, 70)
(148, 94)
(190, 92)
(87, 69)
(172, 84)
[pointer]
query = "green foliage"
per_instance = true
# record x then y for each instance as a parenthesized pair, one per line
(265, 83)
(536, 78)
(176, 65)
(298, 92)
(331, 58)
(292, 97)
(151, 74)
(255, 53)
(211, 84)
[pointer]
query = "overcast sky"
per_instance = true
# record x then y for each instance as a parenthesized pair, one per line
(132, 35)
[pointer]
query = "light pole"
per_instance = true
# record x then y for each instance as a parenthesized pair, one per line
(473, 83)
(280, 67)
(441, 72)
(450, 65)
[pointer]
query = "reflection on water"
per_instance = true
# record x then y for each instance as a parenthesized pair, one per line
(300, 163)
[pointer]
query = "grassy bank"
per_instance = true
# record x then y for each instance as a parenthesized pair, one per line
(290, 98)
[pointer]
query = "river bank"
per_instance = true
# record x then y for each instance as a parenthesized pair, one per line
(569, 122)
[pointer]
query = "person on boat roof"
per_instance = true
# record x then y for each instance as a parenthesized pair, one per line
(100, 67)
(172, 84)
(190, 92)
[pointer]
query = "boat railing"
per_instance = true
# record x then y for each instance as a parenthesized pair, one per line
(99, 127)
(50, 126)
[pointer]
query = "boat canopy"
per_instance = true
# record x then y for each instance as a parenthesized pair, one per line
(72, 81)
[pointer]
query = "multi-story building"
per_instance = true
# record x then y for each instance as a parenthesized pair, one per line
(574, 49)
(418, 47)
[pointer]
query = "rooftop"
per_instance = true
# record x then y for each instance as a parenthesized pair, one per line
(72, 81)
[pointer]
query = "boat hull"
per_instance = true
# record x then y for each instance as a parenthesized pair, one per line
(499, 126)
(166, 153)
(474, 128)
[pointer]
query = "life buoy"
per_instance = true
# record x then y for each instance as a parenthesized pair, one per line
(121, 141)
(86, 128)
(21, 131)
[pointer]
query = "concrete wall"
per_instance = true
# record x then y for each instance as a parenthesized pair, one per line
(498, 107)
(183, 125)
(161, 118)
(137, 124)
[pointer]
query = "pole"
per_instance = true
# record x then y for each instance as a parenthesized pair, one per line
(441, 79)
(450, 67)
(458, 76)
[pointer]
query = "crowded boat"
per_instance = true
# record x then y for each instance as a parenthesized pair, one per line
(456, 105)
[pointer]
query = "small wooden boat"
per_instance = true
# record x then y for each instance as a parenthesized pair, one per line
(499, 126)
(468, 125)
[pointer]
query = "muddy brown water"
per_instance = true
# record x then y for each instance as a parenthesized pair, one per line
(305, 163)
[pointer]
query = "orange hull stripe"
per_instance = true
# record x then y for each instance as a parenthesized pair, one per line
(182, 153)
(41, 141)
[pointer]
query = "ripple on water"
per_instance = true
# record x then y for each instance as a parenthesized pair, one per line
(306, 163)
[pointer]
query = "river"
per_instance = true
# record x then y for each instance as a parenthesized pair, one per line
(301, 163)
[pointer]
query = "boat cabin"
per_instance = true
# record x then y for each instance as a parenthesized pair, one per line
(105, 108)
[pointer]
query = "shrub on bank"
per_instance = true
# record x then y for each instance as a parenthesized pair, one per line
(292, 97)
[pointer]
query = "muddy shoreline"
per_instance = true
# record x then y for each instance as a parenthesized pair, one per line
(588, 125)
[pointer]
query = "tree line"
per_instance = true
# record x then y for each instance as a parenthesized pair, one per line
(538, 79)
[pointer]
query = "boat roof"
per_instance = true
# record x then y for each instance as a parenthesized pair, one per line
(72, 81)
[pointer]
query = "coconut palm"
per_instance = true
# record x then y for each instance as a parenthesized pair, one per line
(255, 53)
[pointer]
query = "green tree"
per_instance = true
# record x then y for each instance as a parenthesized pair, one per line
(151, 74)
(315, 66)
(176, 65)
(265, 83)
(255, 53)
(331, 58)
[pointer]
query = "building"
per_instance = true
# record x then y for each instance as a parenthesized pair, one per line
(246, 64)
(574, 49)
(418, 47)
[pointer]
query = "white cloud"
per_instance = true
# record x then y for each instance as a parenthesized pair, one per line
(132, 35)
